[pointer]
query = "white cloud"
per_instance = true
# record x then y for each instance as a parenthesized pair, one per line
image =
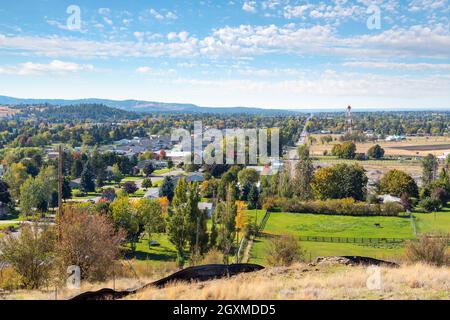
(108, 21)
(54, 67)
(171, 15)
(161, 16)
(249, 6)
(296, 12)
(398, 66)
(247, 40)
(144, 70)
(104, 11)
(270, 4)
(155, 14)
(422, 5)
(152, 72)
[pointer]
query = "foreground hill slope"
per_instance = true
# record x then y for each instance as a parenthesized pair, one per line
(316, 282)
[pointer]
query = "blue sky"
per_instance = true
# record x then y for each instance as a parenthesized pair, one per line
(270, 54)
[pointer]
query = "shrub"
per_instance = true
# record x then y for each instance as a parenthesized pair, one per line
(79, 194)
(147, 183)
(347, 206)
(284, 251)
(375, 152)
(9, 279)
(130, 187)
(213, 256)
(30, 255)
(429, 249)
(270, 203)
(430, 204)
(109, 194)
(88, 241)
(440, 195)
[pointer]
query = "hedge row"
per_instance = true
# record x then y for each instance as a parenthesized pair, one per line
(347, 206)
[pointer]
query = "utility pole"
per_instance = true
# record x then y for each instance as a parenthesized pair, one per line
(60, 181)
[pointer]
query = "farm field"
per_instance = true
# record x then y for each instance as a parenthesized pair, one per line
(412, 146)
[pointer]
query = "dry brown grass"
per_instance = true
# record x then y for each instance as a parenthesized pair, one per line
(392, 148)
(298, 282)
(305, 282)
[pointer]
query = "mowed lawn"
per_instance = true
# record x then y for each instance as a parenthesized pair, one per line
(163, 253)
(301, 224)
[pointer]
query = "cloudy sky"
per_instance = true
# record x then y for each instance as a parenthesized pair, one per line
(270, 54)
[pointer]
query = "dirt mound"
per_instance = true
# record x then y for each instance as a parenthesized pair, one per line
(197, 273)
(352, 261)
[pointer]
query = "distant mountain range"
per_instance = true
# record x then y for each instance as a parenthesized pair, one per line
(153, 106)
(142, 106)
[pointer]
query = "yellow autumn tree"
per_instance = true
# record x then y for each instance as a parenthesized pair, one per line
(241, 217)
(164, 203)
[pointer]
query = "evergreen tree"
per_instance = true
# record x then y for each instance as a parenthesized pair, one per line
(87, 183)
(429, 169)
(226, 212)
(167, 189)
(179, 220)
(285, 186)
(246, 190)
(304, 173)
(253, 197)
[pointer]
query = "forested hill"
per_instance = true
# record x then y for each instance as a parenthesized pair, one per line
(95, 112)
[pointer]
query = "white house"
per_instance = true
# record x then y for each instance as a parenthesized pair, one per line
(388, 198)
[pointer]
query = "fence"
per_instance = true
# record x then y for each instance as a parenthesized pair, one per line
(262, 225)
(351, 239)
(357, 240)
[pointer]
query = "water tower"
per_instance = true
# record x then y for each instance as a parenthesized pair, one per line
(349, 120)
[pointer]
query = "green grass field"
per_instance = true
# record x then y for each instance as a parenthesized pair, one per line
(165, 252)
(345, 226)
(161, 171)
(338, 226)
(436, 222)
(131, 178)
(317, 249)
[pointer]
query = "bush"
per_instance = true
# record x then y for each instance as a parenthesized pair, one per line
(88, 241)
(429, 249)
(30, 255)
(430, 204)
(440, 195)
(284, 251)
(130, 187)
(79, 194)
(347, 206)
(9, 279)
(147, 183)
(213, 256)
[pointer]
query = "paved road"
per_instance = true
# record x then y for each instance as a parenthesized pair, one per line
(301, 140)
